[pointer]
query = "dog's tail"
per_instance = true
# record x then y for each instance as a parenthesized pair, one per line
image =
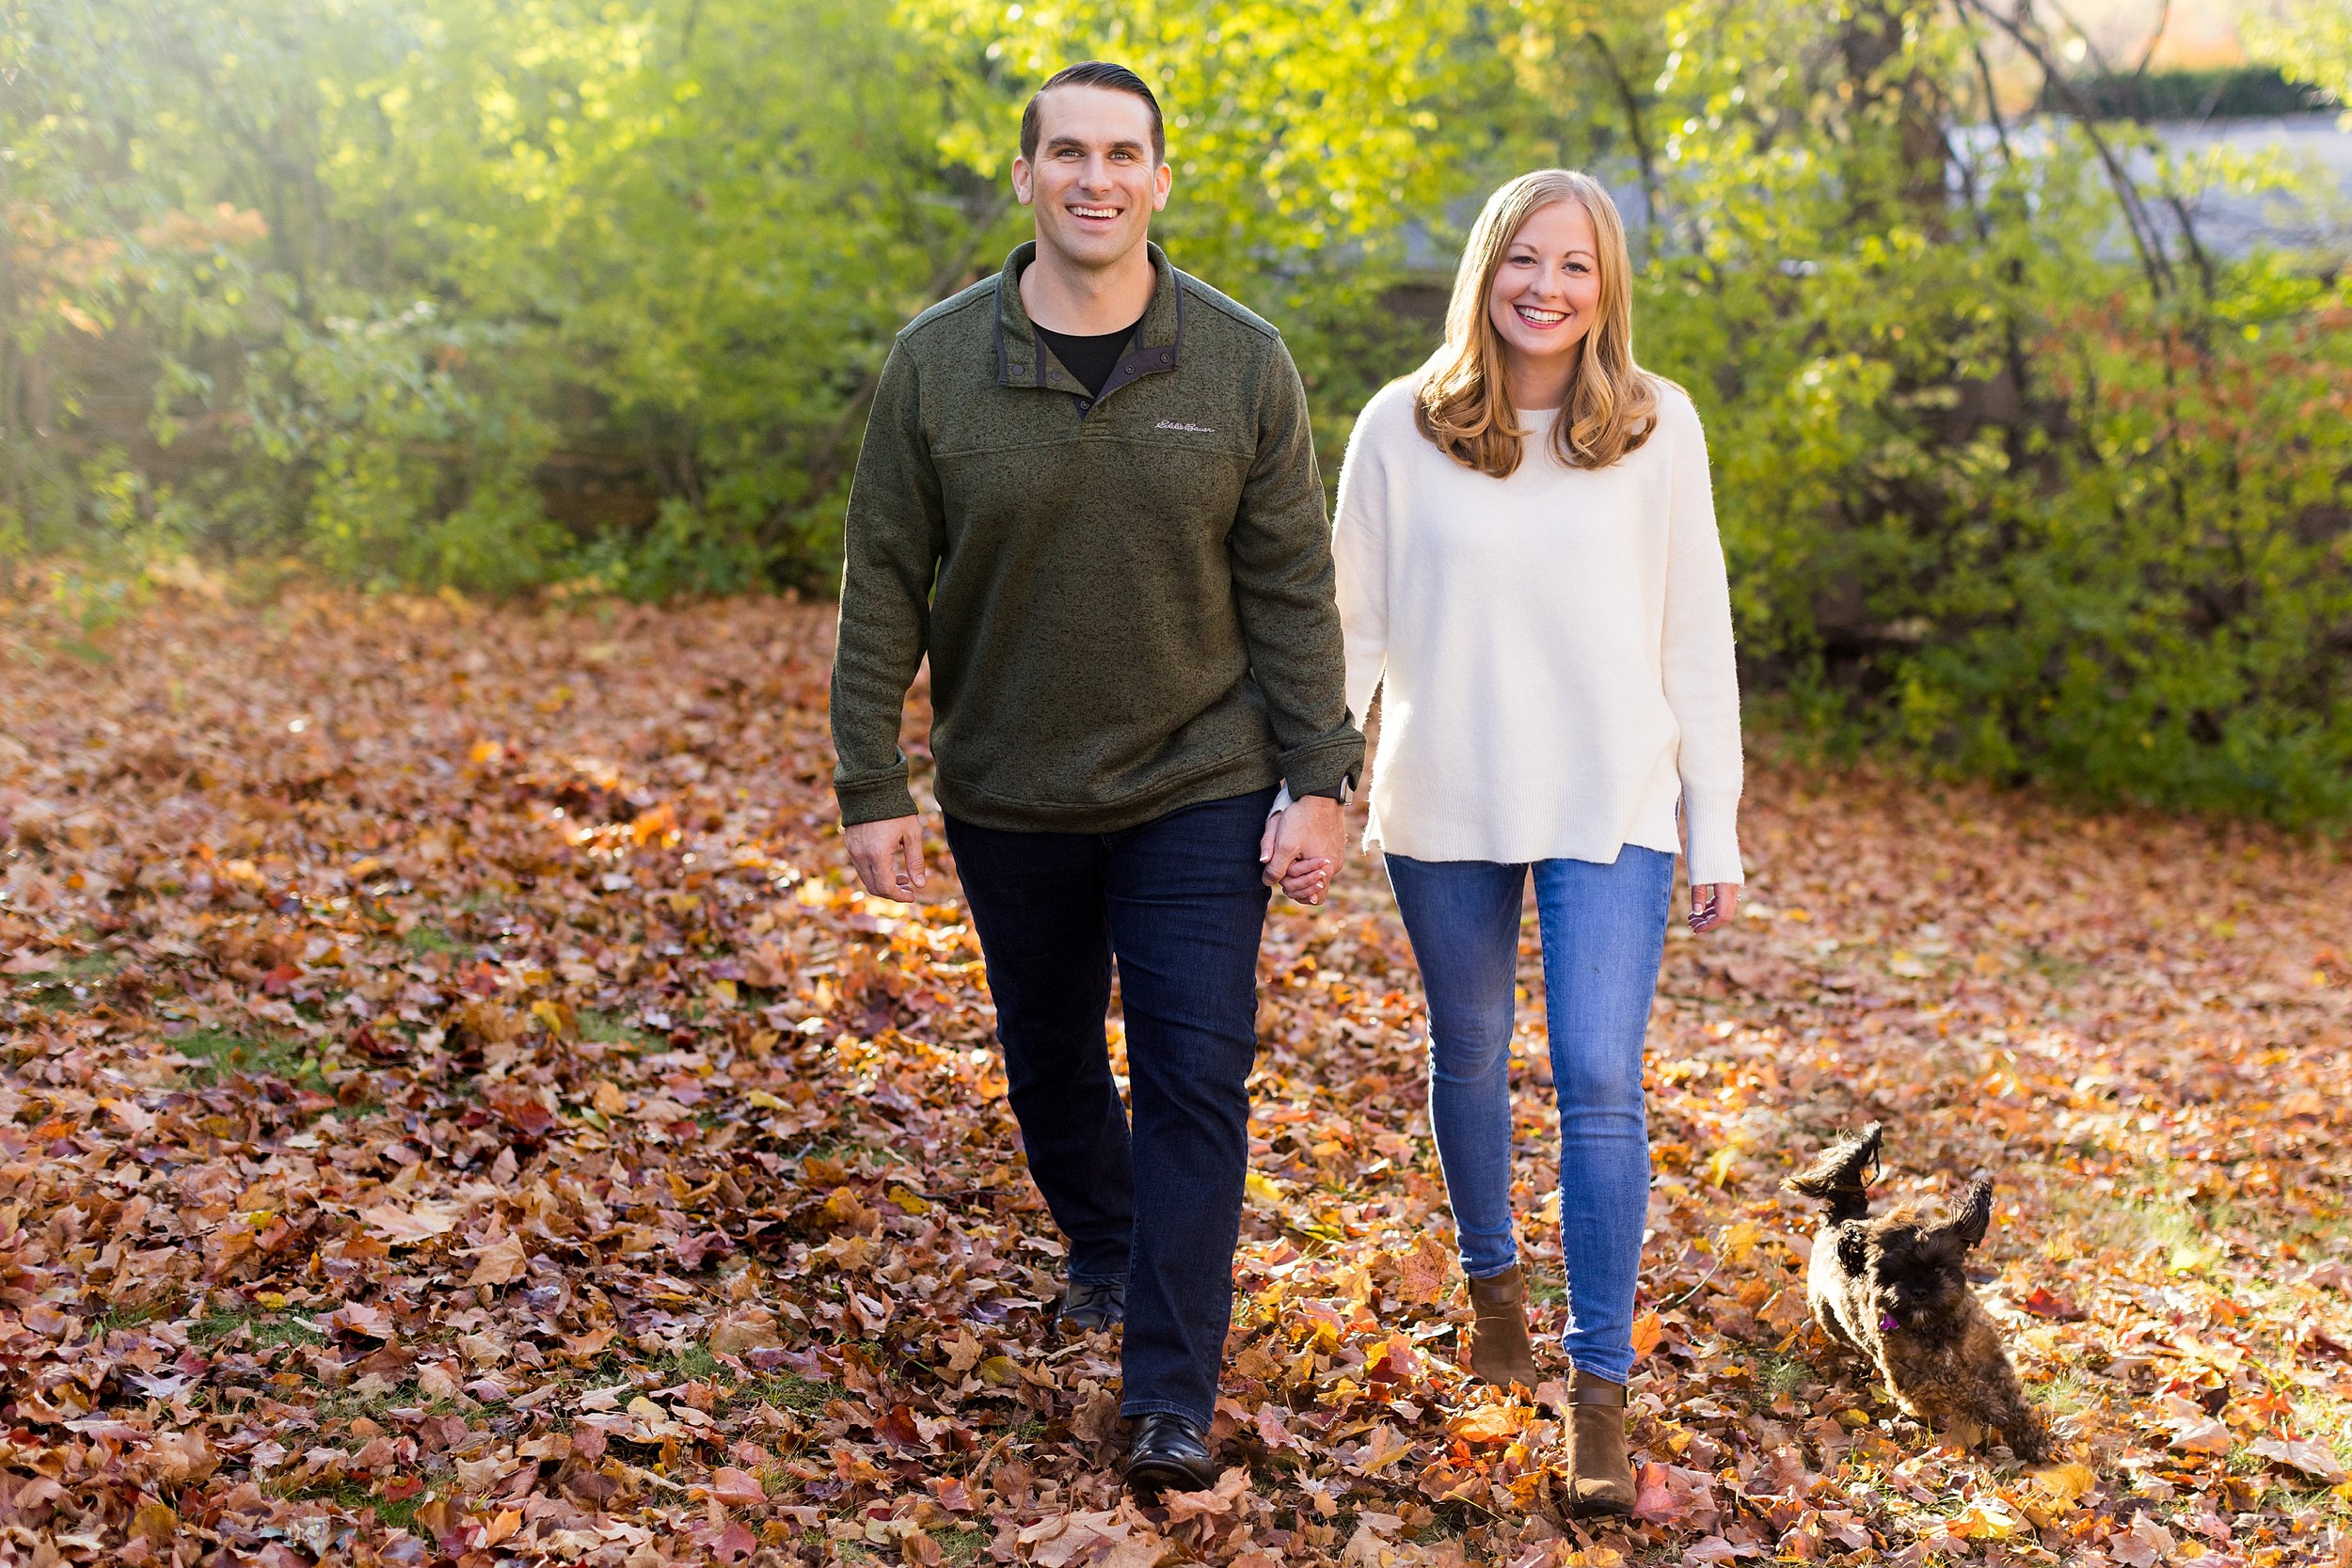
(1841, 1179)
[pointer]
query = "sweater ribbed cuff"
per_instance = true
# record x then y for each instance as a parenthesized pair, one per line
(1323, 769)
(1711, 830)
(874, 800)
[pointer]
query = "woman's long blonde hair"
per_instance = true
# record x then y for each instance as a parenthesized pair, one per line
(1465, 402)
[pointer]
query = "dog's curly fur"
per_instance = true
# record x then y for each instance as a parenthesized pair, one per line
(1895, 1288)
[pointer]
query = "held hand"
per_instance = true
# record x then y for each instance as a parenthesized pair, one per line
(889, 857)
(1302, 845)
(1713, 904)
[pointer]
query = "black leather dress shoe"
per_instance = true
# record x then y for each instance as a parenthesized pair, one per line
(1169, 1454)
(1088, 1304)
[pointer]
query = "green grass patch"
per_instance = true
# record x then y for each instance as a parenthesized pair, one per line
(344, 1404)
(686, 1366)
(354, 1496)
(269, 1328)
(55, 989)
(2176, 1229)
(2063, 1395)
(219, 1054)
(1777, 1374)
(959, 1542)
(608, 1029)
(124, 1317)
(792, 1392)
(429, 939)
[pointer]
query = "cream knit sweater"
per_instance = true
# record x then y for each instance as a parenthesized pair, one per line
(1555, 647)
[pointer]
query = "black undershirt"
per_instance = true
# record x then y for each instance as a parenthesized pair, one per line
(1091, 358)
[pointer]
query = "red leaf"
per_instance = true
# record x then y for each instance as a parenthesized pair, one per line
(2043, 1302)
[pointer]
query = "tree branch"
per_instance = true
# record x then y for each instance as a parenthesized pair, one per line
(1631, 102)
(2145, 239)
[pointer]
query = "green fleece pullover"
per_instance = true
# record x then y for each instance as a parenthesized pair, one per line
(1126, 600)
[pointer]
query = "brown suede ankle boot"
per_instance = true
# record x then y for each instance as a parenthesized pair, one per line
(1500, 1353)
(1600, 1473)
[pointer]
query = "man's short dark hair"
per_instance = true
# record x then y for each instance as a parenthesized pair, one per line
(1094, 73)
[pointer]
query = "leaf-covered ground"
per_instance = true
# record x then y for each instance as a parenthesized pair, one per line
(457, 1108)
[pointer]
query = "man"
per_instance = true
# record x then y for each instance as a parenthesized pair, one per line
(1088, 494)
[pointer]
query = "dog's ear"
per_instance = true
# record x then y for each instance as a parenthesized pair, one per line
(1972, 1216)
(1853, 1250)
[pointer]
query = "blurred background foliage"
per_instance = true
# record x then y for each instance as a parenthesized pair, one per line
(2015, 470)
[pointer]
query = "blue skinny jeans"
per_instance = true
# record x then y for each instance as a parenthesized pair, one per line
(1604, 934)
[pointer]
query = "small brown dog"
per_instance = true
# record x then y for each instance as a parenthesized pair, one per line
(1895, 1288)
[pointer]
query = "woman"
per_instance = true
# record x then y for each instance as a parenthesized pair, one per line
(1528, 569)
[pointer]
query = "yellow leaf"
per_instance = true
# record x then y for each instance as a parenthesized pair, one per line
(608, 1098)
(1488, 1423)
(1000, 1371)
(1741, 1238)
(1647, 1332)
(1986, 1519)
(155, 1522)
(760, 1099)
(1719, 1165)
(909, 1199)
(554, 1016)
(2064, 1485)
(1262, 1189)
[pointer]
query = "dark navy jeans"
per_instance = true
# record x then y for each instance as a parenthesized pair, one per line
(1178, 905)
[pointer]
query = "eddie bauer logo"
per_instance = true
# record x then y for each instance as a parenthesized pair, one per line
(1187, 428)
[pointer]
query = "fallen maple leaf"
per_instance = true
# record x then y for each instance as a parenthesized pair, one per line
(737, 1488)
(2142, 1546)
(499, 1262)
(1216, 1500)
(2204, 1435)
(1489, 1423)
(1986, 1519)
(411, 1225)
(2045, 1302)
(2064, 1485)
(1653, 1501)
(2316, 1459)
(1382, 1447)
(1424, 1269)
